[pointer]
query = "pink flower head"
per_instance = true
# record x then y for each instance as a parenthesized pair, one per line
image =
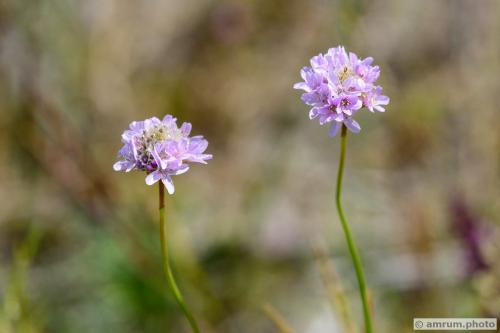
(339, 84)
(161, 149)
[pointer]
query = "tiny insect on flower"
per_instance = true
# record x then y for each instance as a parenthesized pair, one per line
(339, 84)
(160, 148)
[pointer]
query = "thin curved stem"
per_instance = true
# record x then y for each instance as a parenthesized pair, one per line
(350, 241)
(166, 263)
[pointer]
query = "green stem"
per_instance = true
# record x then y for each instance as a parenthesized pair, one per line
(166, 264)
(350, 242)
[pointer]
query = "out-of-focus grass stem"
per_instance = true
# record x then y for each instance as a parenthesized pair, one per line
(335, 291)
(276, 318)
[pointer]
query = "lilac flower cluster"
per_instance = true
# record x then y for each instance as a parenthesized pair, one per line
(161, 149)
(337, 85)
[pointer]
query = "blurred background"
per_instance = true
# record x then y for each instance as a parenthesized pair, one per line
(254, 235)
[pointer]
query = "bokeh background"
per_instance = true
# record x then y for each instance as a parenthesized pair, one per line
(254, 234)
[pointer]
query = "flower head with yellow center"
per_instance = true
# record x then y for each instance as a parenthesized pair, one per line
(161, 149)
(339, 84)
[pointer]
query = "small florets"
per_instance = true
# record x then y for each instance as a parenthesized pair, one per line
(161, 149)
(337, 85)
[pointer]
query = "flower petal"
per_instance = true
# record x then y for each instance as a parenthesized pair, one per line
(352, 125)
(384, 100)
(334, 128)
(169, 185)
(186, 129)
(339, 117)
(313, 113)
(357, 105)
(301, 85)
(123, 166)
(183, 169)
(153, 177)
(324, 118)
(162, 164)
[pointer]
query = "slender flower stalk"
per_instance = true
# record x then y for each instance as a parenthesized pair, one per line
(162, 150)
(356, 260)
(166, 263)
